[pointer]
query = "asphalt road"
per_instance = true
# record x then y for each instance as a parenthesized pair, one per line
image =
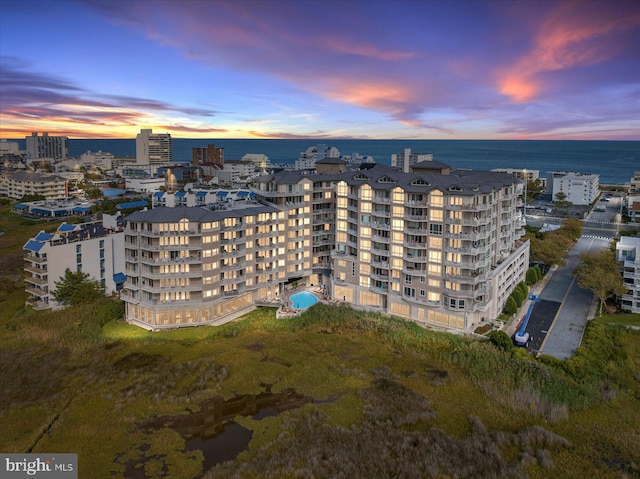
(557, 322)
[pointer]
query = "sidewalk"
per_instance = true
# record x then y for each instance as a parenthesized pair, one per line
(511, 325)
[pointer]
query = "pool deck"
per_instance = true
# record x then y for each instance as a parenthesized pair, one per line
(284, 311)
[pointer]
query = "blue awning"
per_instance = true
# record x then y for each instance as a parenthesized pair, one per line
(180, 193)
(252, 196)
(41, 212)
(132, 204)
(42, 236)
(82, 209)
(33, 245)
(21, 206)
(119, 278)
(242, 194)
(222, 193)
(157, 194)
(201, 193)
(64, 227)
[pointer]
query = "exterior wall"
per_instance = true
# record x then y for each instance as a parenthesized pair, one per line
(17, 184)
(100, 159)
(101, 257)
(634, 184)
(201, 267)
(153, 148)
(580, 188)
(45, 146)
(628, 253)
(428, 256)
(144, 185)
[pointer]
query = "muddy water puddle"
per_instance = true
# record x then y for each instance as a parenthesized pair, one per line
(212, 428)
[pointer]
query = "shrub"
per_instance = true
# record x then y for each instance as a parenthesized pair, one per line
(532, 276)
(501, 340)
(538, 272)
(511, 306)
(522, 286)
(518, 297)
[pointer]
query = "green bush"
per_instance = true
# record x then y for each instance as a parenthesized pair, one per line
(501, 340)
(522, 286)
(518, 297)
(538, 272)
(511, 306)
(532, 276)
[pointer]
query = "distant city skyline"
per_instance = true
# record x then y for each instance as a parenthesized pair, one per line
(466, 69)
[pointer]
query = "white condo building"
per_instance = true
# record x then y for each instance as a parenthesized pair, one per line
(308, 158)
(628, 252)
(406, 159)
(440, 249)
(47, 147)
(578, 188)
(93, 248)
(153, 148)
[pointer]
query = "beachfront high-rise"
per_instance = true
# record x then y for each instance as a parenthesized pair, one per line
(153, 148)
(210, 155)
(45, 146)
(441, 248)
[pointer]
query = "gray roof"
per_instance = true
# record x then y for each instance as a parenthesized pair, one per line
(32, 176)
(384, 177)
(331, 161)
(200, 214)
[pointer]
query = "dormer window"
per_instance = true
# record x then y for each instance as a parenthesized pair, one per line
(386, 179)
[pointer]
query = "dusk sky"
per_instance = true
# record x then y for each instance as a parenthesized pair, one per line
(321, 69)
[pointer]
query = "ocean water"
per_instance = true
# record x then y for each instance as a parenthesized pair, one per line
(614, 161)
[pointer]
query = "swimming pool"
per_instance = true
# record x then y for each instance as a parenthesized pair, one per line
(303, 300)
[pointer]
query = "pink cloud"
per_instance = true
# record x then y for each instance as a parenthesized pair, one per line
(575, 34)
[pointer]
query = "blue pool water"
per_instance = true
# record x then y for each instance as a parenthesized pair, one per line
(303, 300)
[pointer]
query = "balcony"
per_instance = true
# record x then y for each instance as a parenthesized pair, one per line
(37, 281)
(164, 233)
(31, 269)
(35, 259)
(34, 290)
(415, 258)
(36, 304)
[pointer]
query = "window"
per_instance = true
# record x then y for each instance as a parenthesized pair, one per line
(435, 229)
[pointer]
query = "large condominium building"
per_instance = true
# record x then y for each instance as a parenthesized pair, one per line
(440, 249)
(45, 146)
(16, 184)
(153, 148)
(93, 248)
(443, 250)
(628, 252)
(207, 156)
(577, 188)
(406, 159)
(188, 266)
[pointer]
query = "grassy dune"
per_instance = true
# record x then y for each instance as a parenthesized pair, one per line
(390, 399)
(389, 396)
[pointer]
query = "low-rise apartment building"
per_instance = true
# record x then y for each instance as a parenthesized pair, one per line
(577, 188)
(93, 248)
(16, 184)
